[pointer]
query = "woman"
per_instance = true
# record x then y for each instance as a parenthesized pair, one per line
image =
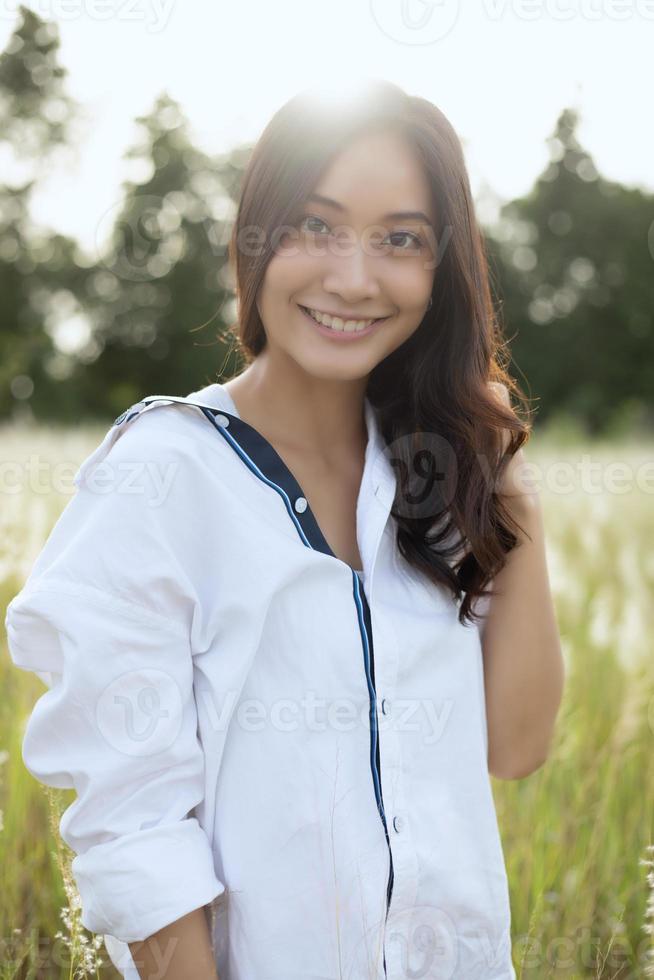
(271, 684)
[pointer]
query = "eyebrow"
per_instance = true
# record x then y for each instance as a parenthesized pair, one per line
(391, 216)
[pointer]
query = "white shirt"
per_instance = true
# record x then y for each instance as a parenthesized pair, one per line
(251, 726)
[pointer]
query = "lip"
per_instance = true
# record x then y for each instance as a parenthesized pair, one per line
(341, 336)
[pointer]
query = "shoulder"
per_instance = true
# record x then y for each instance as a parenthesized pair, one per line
(140, 520)
(149, 434)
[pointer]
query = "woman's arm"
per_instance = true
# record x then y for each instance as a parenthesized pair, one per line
(178, 951)
(523, 665)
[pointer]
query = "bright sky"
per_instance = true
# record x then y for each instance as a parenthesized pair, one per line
(501, 71)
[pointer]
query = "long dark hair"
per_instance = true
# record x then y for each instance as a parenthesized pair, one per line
(436, 411)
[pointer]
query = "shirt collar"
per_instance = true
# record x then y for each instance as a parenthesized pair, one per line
(378, 472)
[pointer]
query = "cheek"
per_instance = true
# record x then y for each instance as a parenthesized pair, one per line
(409, 283)
(287, 273)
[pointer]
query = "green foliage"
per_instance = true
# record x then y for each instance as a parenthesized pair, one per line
(571, 264)
(35, 121)
(159, 295)
(153, 305)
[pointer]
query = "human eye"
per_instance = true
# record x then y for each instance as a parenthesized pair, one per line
(416, 239)
(312, 217)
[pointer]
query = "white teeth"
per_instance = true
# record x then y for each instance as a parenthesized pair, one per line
(336, 323)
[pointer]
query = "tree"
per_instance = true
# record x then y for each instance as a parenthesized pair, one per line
(574, 267)
(36, 265)
(161, 290)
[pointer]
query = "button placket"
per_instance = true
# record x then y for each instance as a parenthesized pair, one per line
(386, 666)
(405, 863)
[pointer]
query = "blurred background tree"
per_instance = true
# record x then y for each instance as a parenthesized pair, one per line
(36, 118)
(85, 337)
(160, 296)
(574, 264)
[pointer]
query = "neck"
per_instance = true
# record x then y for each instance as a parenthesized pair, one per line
(318, 417)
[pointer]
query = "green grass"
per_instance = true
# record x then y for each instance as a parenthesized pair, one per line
(576, 833)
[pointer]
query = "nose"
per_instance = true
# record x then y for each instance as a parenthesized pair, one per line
(351, 276)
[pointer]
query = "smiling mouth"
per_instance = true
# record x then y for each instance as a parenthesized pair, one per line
(326, 320)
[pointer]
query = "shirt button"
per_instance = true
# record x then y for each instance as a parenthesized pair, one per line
(385, 706)
(222, 420)
(398, 823)
(301, 505)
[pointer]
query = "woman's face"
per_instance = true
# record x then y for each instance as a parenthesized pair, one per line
(355, 261)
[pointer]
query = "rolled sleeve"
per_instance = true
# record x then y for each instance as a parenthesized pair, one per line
(118, 724)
